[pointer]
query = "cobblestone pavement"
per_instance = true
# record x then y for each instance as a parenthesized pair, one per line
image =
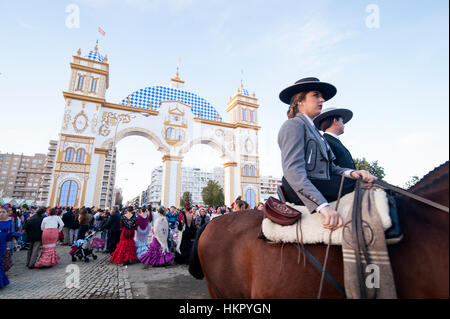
(99, 279)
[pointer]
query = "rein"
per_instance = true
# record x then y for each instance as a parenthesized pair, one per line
(329, 242)
(409, 194)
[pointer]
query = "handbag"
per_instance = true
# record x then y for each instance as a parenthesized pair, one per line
(280, 213)
(98, 243)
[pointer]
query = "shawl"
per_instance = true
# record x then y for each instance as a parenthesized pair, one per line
(161, 231)
(142, 222)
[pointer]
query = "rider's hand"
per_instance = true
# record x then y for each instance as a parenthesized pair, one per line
(365, 175)
(332, 219)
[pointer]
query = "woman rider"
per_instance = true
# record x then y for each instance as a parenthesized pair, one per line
(305, 155)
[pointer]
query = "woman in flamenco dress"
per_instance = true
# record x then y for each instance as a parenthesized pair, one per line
(188, 232)
(125, 251)
(158, 253)
(143, 230)
(6, 235)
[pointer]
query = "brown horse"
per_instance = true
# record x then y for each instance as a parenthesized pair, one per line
(236, 264)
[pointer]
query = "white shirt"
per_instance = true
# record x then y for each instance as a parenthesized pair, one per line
(52, 222)
(334, 135)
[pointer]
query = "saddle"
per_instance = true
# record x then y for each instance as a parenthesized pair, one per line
(366, 217)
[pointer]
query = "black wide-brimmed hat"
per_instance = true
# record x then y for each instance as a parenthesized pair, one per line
(333, 111)
(308, 84)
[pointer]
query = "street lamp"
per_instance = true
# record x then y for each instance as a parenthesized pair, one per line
(119, 120)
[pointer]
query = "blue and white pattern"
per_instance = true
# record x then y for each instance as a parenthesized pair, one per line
(156, 94)
(244, 92)
(94, 55)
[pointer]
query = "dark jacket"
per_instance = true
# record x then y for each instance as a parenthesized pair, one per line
(33, 228)
(343, 156)
(330, 189)
(67, 219)
(113, 223)
(103, 220)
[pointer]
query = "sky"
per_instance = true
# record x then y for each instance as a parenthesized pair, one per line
(387, 59)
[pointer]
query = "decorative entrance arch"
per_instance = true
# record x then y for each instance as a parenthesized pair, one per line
(173, 119)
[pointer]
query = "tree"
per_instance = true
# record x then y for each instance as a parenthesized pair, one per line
(185, 198)
(373, 167)
(411, 182)
(212, 194)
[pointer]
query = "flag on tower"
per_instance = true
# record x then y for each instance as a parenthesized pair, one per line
(101, 31)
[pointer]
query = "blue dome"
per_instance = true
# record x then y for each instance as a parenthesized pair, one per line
(94, 55)
(244, 92)
(156, 94)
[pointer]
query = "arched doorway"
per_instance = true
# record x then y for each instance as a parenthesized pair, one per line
(68, 193)
(250, 198)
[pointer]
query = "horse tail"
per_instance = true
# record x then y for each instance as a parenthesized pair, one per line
(195, 268)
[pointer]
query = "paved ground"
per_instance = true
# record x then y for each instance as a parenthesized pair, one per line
(97, 279)
(171, 282)
(100, 279)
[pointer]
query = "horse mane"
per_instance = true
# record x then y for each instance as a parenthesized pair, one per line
(431, 178)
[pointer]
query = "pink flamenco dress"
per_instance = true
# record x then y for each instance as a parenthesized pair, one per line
(126, 248)
(158, 253)
(49, 257)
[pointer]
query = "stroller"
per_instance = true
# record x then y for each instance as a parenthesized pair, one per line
(81, 249)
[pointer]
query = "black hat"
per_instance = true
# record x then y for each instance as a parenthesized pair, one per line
(308, 84)
(332, 111)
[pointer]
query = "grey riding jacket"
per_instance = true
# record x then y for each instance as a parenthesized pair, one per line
(304, 156)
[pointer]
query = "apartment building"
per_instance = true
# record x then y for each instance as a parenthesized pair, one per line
(193, 180)
(268, 186)
(21, 175)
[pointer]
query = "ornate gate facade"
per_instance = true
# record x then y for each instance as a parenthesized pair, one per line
(171, 117)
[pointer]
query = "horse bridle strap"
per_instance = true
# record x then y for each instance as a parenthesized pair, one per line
(409, 194)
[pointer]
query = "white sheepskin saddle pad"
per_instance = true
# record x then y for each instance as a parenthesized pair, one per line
(311, 224)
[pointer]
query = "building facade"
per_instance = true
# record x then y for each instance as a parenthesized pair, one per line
(21, 175)
(193, 180)
(44, 186)
(169, 116)
(269, 187)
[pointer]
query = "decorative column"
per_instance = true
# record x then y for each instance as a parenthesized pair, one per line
(171, 181)
(230, 181)
(102, 152)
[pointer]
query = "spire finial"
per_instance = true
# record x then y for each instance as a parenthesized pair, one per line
(96, 46)
(242, 78)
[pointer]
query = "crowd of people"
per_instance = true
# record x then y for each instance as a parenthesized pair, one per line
(153, 236)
